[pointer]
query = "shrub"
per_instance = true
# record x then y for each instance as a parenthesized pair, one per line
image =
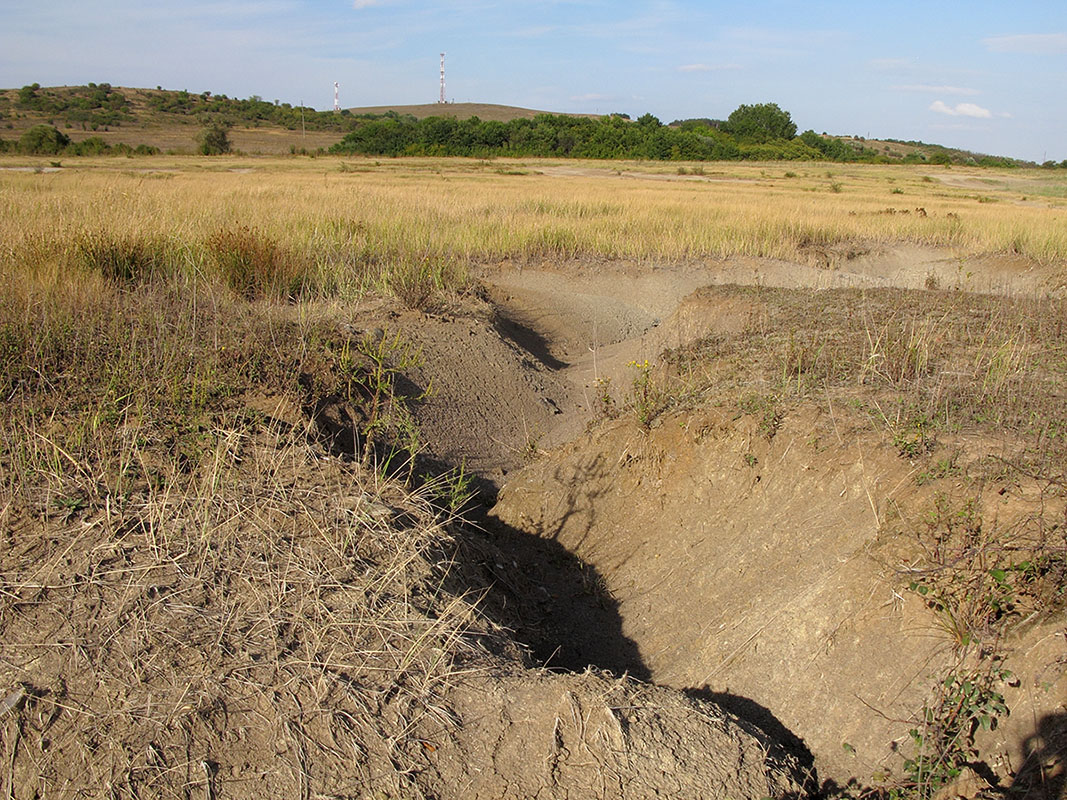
(93, 146)
(761, 122)
(215, 140)
(43, 140)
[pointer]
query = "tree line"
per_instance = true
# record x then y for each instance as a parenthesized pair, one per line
(759, 132)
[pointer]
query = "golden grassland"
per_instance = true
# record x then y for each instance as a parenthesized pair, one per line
(338, 216)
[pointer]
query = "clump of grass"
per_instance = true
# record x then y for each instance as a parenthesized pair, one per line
(123, 259)
(419, 283)
(803, 358)
(899, 351)
(255, 265)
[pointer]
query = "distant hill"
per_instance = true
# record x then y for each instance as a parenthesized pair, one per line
(483, 111)
(172, 121)
(167, 119)
(914, 151)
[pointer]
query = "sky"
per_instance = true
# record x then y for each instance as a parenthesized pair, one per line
(977, 74)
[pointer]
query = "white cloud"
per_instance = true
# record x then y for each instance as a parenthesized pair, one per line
(961, 110)
(966, 110)
(1028, 43)
(925, 87)
(707, 67)
(359, 4)
(586, 97)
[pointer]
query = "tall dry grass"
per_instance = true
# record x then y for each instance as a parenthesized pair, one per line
(345, 227)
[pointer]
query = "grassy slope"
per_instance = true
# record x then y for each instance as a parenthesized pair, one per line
(169, 132)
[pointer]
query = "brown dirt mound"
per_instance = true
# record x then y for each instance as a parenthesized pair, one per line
(769, 575)
(284, 631)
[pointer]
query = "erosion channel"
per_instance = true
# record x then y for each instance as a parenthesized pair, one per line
(704, 476)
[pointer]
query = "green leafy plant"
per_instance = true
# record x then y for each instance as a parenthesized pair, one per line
(646, 399)
(964, 702)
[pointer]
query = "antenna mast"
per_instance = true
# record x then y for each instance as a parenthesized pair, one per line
(336, 97)
(442, 99)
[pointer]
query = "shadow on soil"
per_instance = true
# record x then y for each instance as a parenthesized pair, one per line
(1043, 775)
(527, 339)
(555, 604)
(559, 606)
(760, 716)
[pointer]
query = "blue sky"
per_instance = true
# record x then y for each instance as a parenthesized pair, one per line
(987, 76)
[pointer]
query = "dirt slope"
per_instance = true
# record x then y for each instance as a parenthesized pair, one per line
(287, 632)
(759, 572)
(583, 323)
(285, 621)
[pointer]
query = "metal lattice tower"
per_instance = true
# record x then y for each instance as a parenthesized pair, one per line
(442, 98)
(336, 97)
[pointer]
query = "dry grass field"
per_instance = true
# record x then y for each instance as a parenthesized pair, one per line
(478, 211)
(243, 397)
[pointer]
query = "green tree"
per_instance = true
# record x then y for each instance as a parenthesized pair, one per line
(215, 139)
(760, 123)
(28, 96)
(43, 140)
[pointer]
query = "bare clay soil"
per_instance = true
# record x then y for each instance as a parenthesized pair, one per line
(764, 574)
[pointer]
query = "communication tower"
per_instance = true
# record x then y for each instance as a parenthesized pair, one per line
(336, 97)
(442, 98)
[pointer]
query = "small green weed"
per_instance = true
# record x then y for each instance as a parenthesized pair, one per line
(604, 404)
(646, 399)
(451, 490)
(964, 702)
(942, 468)
(766, 409)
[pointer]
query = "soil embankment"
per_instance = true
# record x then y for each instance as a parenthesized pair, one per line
(760, 572)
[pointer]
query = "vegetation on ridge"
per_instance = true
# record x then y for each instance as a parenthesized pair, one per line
(760, 131)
